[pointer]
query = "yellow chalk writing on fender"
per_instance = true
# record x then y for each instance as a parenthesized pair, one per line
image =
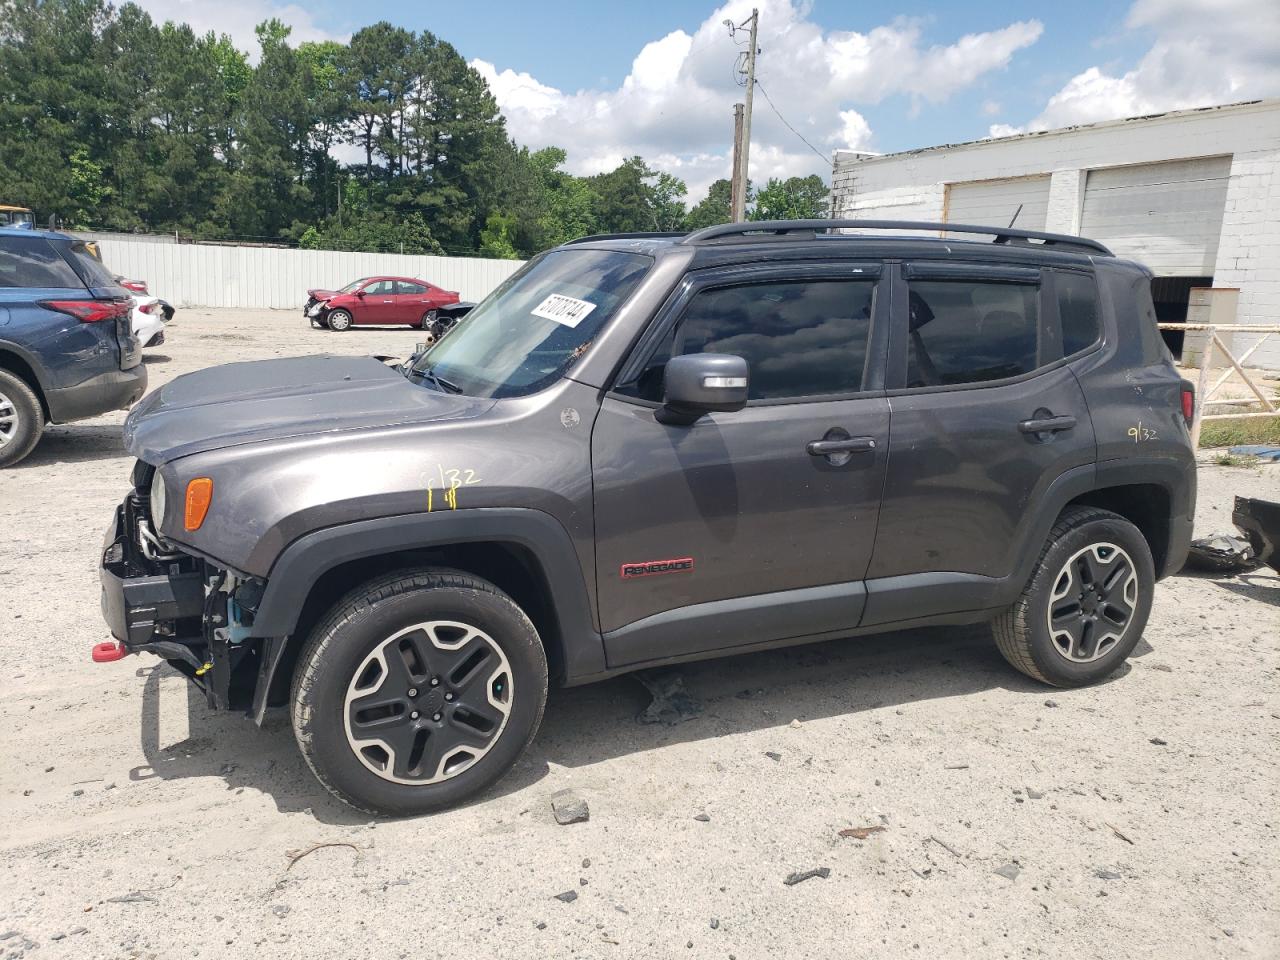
(448, 480)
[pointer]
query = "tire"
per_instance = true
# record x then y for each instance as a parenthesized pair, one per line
(428, 320)
(21, 419)
(349, 665)
(1094, 635)
(338, 320)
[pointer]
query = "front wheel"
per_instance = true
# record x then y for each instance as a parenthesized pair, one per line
(339, 320)
(1086, 604)
(418, 691)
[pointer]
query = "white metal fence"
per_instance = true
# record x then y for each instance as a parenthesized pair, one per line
(216, 275)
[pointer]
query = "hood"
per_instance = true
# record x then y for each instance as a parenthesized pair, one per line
(277, 399)
(322, 294)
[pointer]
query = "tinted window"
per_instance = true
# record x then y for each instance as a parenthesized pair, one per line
(799, 338)
(1078, 310)
(412, 289)
(381, 287)
(89, 267)
(968, 332)
(32, 262)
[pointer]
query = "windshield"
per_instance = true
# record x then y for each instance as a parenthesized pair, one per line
(354, 285)
(525, 334)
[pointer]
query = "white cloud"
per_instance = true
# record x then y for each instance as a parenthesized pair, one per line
(238, 18)
(675, 107)
(1204, 52)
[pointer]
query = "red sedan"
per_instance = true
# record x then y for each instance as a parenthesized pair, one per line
(378, 300)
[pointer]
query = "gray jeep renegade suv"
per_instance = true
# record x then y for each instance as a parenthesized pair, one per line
(646, 449)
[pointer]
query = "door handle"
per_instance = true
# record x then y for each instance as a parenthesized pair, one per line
(825, 448)
(1047, 424)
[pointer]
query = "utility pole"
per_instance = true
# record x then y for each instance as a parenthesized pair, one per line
(744, 142)
(735, 211)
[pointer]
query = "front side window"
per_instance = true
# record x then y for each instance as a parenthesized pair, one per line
(527, 333)
(1077, 310)
(965, 331)
(32, 262)
(800, 338)
(381, 287)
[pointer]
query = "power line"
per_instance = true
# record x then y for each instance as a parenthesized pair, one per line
(769, 100)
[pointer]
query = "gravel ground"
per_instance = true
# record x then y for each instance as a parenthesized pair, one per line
(1137, 818)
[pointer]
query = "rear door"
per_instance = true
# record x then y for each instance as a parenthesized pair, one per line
(730, 531)
(412, 301)
(986, 416)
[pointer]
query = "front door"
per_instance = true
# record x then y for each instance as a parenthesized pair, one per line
(736, 530)
(986, 415)
(378, 305)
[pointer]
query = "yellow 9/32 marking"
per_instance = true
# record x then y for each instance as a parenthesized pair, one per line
(1139, 433)
(448, 481)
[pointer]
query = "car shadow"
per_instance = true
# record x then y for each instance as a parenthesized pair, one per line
(156, 358)
(590, 724)
(78, 443)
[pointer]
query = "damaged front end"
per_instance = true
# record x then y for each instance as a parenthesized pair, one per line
(186, 609)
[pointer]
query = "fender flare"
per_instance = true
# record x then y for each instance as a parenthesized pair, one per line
(31, 360)
(308, 558)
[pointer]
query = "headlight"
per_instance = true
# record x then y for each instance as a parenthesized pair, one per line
(157, 500)
(316, 308)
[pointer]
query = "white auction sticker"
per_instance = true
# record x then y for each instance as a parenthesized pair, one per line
(563, 309)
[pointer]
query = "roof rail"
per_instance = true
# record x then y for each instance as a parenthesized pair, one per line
(652, 235)
(1058, 241)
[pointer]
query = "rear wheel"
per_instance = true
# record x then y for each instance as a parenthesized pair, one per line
(21, 419)
(1086, 604)
(339, 320)
(428, 320)
(418, 691)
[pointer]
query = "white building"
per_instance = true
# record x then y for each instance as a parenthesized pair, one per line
(1193, 194)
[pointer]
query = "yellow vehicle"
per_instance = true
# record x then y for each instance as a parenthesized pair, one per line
(11, 216)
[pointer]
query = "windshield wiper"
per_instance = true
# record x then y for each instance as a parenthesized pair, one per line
(426, 373)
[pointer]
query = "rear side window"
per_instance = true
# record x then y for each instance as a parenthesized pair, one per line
(89, 267)
(964, 331)
(1078, 311)
(799, 338)
(411, 289)
(32, 262)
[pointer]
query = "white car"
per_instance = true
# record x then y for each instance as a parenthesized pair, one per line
(150, 314)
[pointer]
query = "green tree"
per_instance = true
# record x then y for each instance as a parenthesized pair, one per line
(716, 207)
(796, 198)
(495, 238)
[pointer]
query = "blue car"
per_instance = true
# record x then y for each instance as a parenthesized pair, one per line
(67, 348)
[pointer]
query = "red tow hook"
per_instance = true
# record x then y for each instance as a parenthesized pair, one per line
(109, 652)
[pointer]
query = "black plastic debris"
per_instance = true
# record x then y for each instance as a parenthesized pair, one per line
(1259, 520)
(1221, 553)
(671, 704)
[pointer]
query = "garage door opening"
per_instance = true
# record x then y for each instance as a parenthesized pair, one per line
(1171, 296)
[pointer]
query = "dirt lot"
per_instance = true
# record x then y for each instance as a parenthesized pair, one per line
(1135, 818)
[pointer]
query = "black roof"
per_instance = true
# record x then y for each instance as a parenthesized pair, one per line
(812, 239)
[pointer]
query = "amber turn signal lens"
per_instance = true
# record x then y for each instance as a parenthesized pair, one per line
(199, 496)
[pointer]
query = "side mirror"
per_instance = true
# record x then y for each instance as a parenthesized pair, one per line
(361, 293)
(700, 383)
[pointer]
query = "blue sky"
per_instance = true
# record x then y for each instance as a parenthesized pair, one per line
(606, 80)
(576, 44)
